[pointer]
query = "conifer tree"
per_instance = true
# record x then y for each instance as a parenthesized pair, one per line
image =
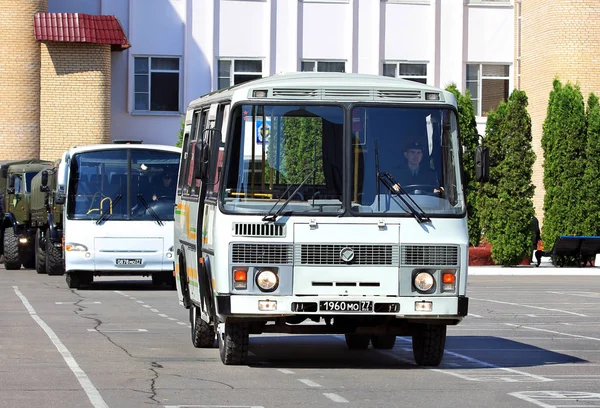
(591, 176)
(506, 204)
(470, 139)
(564, 143)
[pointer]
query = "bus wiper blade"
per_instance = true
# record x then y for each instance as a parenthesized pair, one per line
(273, 217)
(149, 209)
(106, 212)
(394, 187)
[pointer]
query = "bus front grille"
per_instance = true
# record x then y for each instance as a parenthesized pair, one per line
(244, 229)
(262, 253)
(430, 255)
(336, 254)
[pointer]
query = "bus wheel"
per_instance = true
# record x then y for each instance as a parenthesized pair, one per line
(11, 250)
(54, 261)
(233, 342)
(429, 342)
(357, 341)
(73, 281)
(86, 278)
(185, 289)
(203, 334)
(384, 342)
(40, 255)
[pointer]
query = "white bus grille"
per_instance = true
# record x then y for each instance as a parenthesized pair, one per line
(262, 253)
(331, 254)
(397, 94)
(430, 255)
(241, 229)
(295, 92)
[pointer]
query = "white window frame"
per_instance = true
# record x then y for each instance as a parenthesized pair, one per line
(409, 77)
(479, 83)
(232, 73)
(150, 71)
(317, 61)
(503, 3)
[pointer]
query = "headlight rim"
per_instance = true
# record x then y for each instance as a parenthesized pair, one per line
(267, 270)
(431, 275)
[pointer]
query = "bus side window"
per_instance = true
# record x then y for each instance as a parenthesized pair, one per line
(184, 163)
(216, 163)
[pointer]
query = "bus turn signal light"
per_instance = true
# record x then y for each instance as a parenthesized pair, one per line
(240, 278)
(448, 281)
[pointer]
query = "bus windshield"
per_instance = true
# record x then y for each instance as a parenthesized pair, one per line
(122, 184)
(289, 159)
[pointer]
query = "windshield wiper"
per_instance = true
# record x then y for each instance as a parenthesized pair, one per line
(109, 209)
(149, 209)
(269, 216)
(394, 187)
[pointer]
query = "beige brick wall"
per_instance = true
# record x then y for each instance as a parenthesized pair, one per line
(19, 79)
(558, 40)
(75, 96)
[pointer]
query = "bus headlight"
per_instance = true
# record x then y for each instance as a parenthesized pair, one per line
(75, 247)
(267, 280)
(424, 281)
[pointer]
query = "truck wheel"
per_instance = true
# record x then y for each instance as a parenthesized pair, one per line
(357, 341)
(73, 281)
(384, 342)
(40, 254)
(54, 261)
(11, 250)
(233, 343)
(429, 342)
(203, 334)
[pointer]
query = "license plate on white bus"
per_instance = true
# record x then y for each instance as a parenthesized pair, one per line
(348, 306)
(122, 261)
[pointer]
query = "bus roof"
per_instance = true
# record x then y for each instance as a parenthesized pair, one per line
(332, 87)
(113, 146)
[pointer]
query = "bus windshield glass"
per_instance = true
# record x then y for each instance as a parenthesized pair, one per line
(122, 184)
(289, 159)
(285, 158)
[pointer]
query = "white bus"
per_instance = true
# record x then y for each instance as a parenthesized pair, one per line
(118, 216)
(289, 211)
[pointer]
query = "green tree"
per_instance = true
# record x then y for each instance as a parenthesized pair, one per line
(506, 203)
(591, 177)
(180, 134)
(564, 144)
(470, 139)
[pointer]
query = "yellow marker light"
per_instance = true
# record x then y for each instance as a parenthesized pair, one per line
(423, 306)
(267, 305)
(73, 247)
(240, 278)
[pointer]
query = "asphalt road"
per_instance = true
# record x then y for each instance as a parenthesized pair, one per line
(529, 341)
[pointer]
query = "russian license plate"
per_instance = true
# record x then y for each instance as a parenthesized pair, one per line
(122, 261)
(349, 306)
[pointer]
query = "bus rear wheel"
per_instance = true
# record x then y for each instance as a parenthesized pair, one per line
(428, 343)
(203, 334)
(233, 343)
(73, 281)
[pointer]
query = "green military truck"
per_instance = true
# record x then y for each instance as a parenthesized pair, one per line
(17, 244)
(46, 219)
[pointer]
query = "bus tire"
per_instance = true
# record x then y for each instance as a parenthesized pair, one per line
(357, 341)
(40, 254)
(86, 277)
(185, 288)
(12, 261)
(203, 334)
(73, 280)
(429, 342)
(233, 343)
(384, 342)
(54, 261)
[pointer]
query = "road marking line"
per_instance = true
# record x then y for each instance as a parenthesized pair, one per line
(284, 371)
(182, 323)
(154, 310)
(118, 331)
(309, 383)
(171, 318)
(476, 315)
(163, 315)
(139, 301)
(87, 385)
(553, 332)
(79, 303)
(146, 306)
(533, 307)
(335, 397)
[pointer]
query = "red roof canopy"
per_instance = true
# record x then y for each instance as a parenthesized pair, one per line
(84, 28)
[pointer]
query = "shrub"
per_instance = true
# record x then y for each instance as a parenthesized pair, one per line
(506, 205)
(470, 139)
(564, 144)
(591, 177)
(180, 134)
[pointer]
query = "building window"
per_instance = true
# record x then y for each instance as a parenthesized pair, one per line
(237, 71)
(322, 66)
(156, 84)
(406, 70)
(488, 85)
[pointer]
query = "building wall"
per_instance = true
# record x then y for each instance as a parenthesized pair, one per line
(19, 79)
(75, 96)
(557, 40)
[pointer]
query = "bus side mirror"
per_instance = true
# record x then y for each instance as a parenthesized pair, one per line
(482, 164)
(44, 181)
